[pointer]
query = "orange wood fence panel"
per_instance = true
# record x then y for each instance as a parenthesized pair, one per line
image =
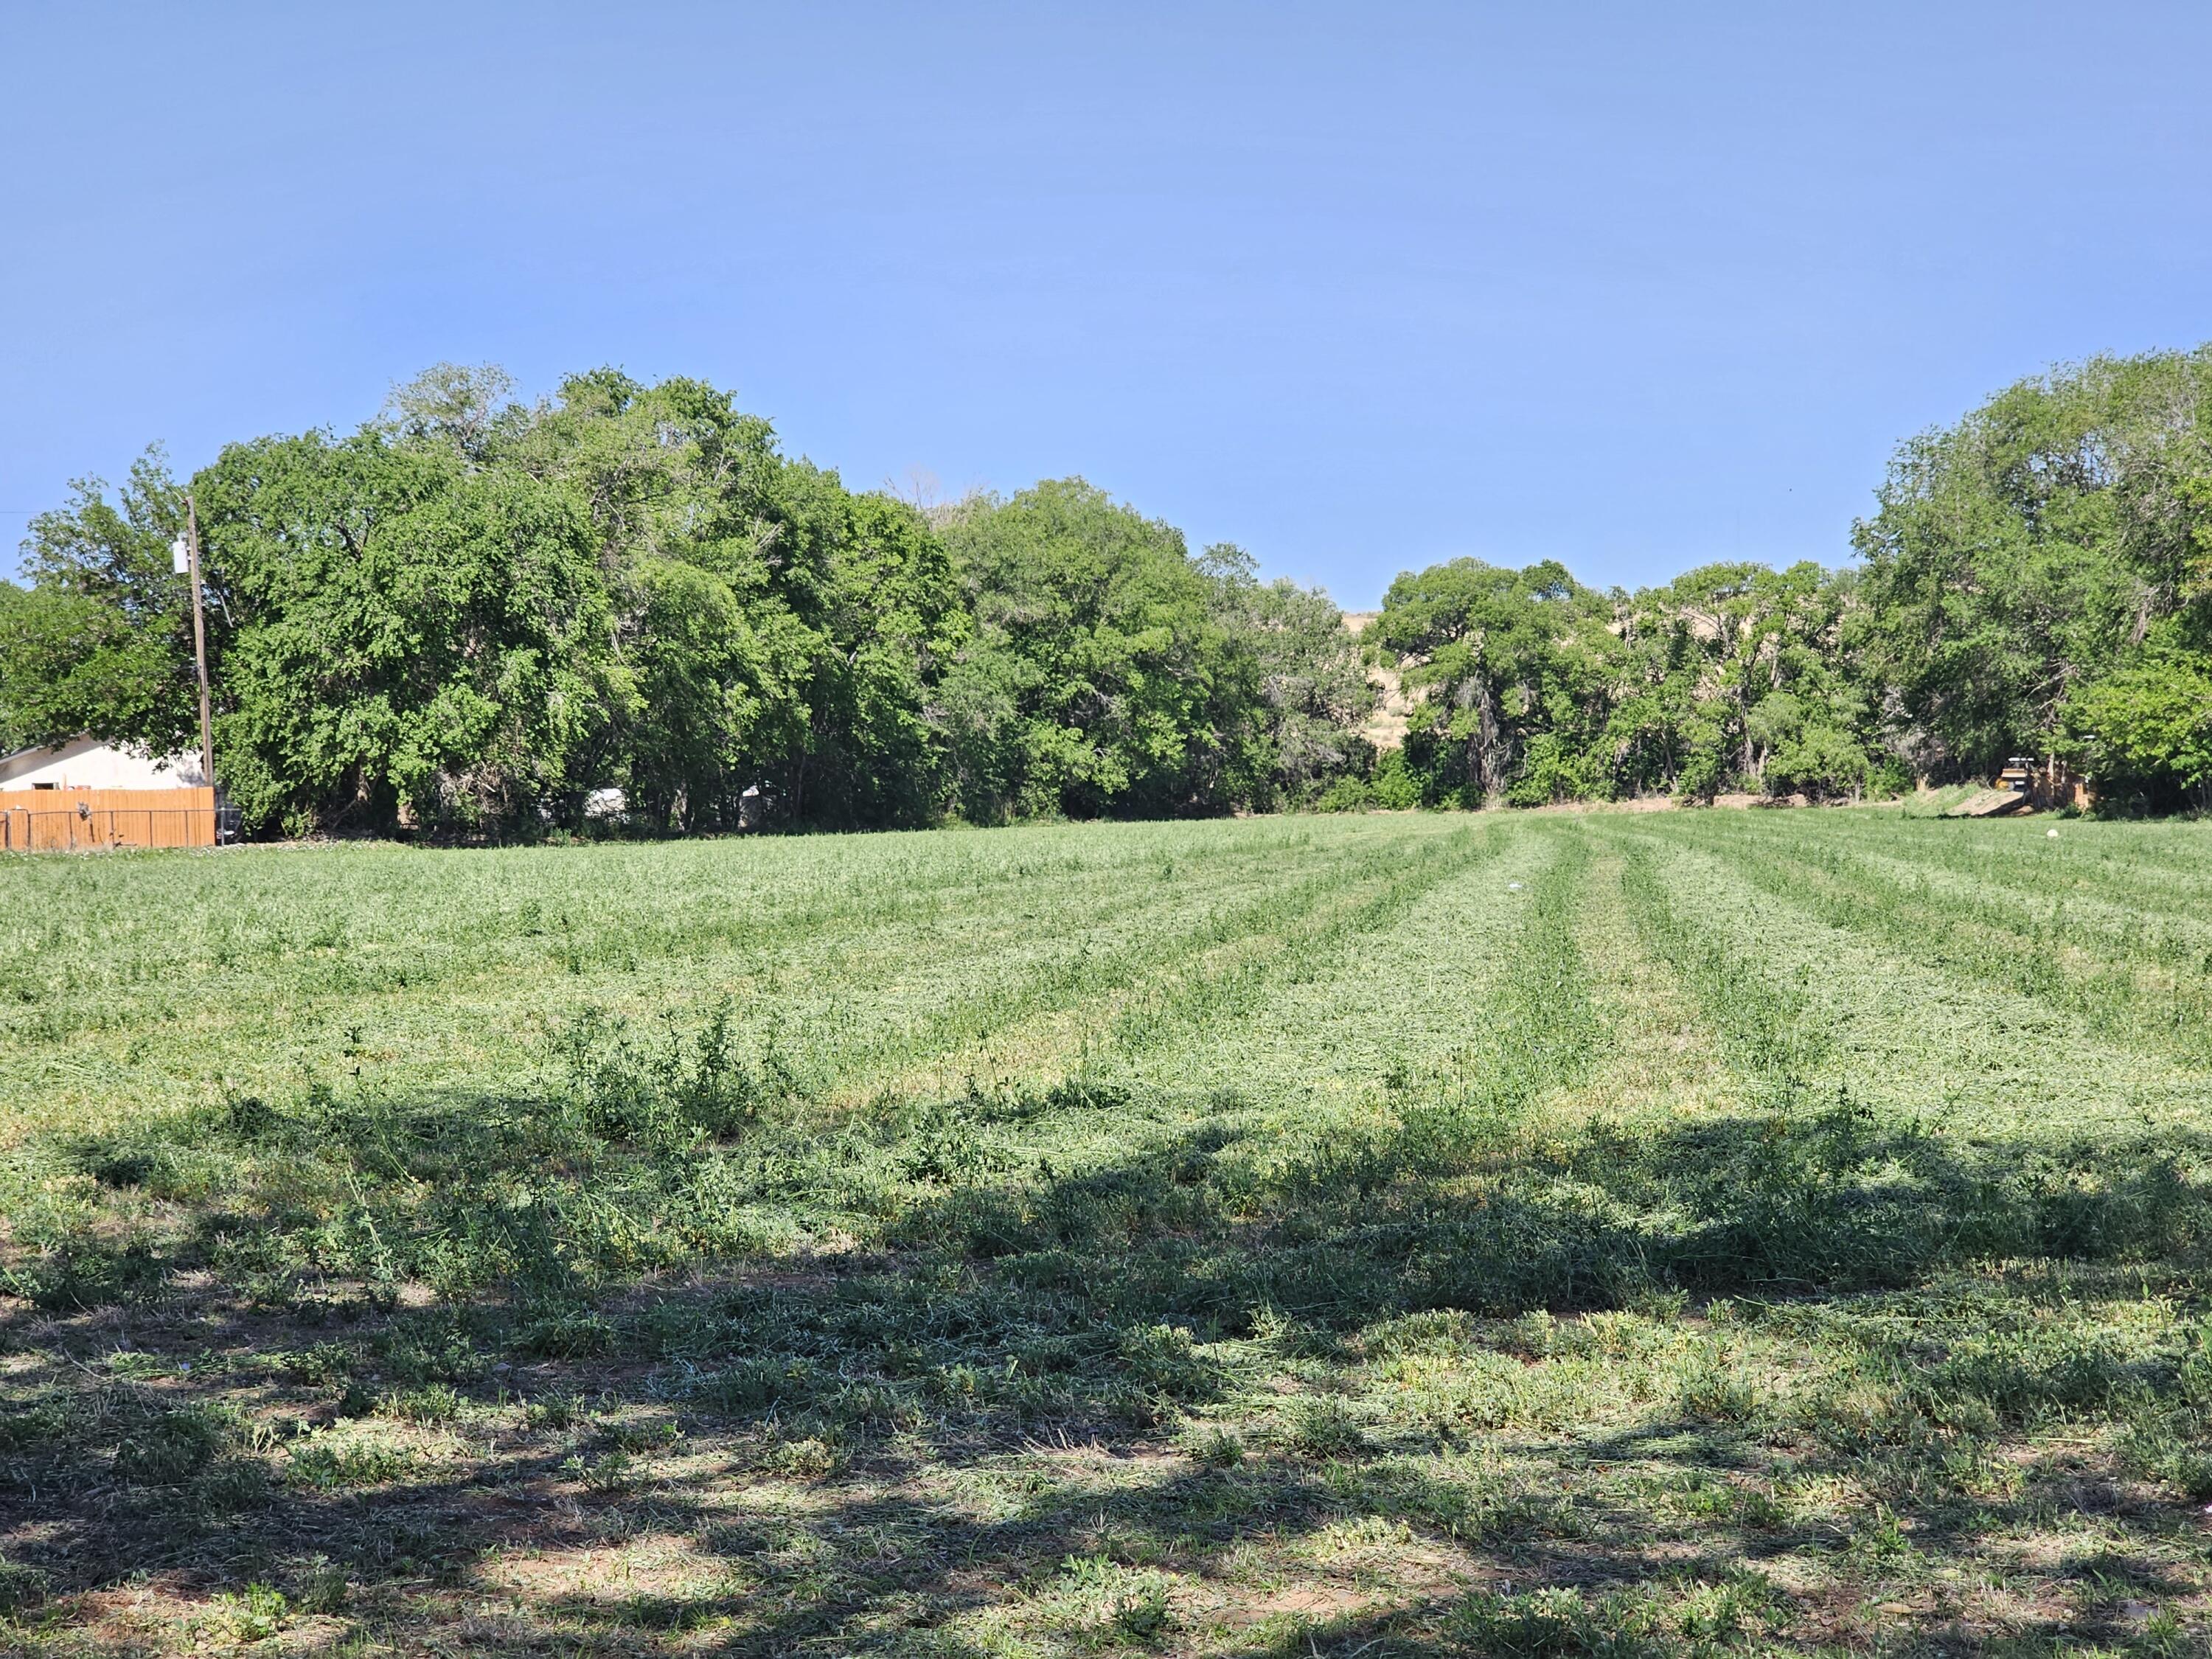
(83, 820)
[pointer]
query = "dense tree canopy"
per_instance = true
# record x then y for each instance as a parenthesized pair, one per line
(1100, 674)
(1535, 688)
(2047, 540)
(473, 613)
(2037, 578)
(101, 640)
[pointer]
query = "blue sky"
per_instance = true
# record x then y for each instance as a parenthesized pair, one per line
(1357, 287)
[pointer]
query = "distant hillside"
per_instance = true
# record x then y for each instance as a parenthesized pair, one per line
(1386, 727)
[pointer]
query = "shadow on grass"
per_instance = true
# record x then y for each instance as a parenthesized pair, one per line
(1069, 1405)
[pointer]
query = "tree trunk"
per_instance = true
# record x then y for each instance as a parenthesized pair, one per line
(1491, 768)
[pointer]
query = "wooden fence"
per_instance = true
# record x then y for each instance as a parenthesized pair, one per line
(83, 820)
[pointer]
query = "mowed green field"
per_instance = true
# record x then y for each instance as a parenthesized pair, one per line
(1692, 1232)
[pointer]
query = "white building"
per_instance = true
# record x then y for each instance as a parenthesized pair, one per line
(86, 763)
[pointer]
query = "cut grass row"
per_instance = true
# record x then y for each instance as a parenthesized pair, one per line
(2140, 984)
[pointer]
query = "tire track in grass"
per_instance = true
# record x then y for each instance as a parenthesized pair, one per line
(1546, 1033)
(2054, 893)
(2058, 886)
(956, 1020)
(1807, 1011)
(1760, 1021)
(1216, 993)
(1363, 1213)
(461, 918)
(483, 1028)
(2164, 867)
(2075, 915)
(930, 987)
(1400, 1003)
(1518, 1016)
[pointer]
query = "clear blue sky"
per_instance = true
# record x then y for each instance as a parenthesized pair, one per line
(1359, 286)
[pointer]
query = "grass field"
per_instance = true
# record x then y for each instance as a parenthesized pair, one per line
(1406, 1235)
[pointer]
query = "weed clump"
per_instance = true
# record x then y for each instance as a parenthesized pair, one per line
(170, 1447)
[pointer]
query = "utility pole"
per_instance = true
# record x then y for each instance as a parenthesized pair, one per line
(189, 562)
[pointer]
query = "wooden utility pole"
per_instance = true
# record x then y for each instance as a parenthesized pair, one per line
(199, 642)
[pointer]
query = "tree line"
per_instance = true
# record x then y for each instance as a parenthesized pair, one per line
(474, 614)
(2035, 578)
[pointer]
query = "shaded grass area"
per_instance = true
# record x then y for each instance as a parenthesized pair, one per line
(687, 1341)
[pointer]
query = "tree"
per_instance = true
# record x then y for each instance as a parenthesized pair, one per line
(465, 407)
(1758, 663)
(1500, 658)
(100, 642)
(892, 617)
(772, 629)
(2026, 551)
(1313, 691)
(1097, 679)
(410, 642)
(2145, 728)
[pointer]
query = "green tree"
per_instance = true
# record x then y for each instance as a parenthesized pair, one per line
(1098, 679)
(409, 639)
(472, 613)
(773, 630)
(1508, 665)
(1313, 686)
(2146, 727)
(100, 642)
(2027, 550)
(1746, 662)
